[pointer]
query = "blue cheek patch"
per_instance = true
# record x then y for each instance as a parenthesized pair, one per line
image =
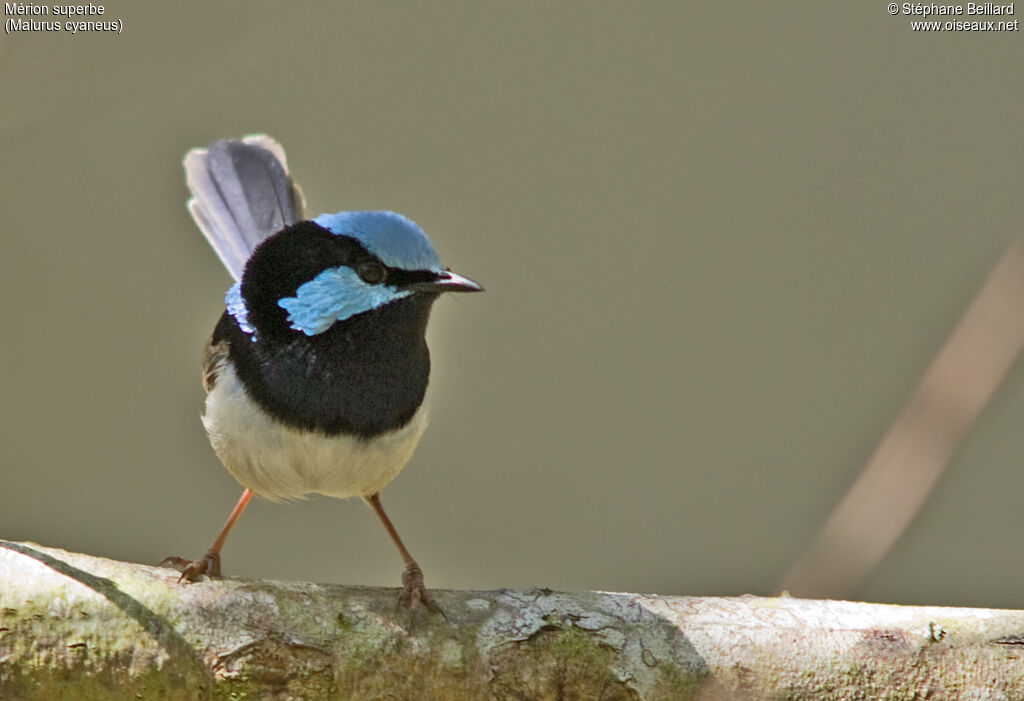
(334, 295)
(236, 308)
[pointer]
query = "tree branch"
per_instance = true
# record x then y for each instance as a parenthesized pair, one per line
(76, 626)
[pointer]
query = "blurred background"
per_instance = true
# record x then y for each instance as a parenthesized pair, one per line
(721, 243)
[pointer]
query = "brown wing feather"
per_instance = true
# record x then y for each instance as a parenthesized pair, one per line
(214, 357)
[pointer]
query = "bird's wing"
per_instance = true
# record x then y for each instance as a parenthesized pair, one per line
(214, 357)
(241, 194)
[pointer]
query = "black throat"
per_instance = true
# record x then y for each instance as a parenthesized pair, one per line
(363, 376)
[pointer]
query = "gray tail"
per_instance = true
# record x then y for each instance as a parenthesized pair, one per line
(241, 194)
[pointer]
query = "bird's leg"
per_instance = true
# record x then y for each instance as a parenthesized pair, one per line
(210, 562)
(414, 592)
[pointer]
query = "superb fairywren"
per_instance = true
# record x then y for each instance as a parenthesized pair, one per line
(317, 371)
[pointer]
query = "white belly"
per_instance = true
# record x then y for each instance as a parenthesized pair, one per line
(278, 462)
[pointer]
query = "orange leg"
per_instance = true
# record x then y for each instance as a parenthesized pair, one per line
(414, 592)
(210, 563)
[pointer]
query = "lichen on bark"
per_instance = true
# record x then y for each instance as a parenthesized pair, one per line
(79, 627)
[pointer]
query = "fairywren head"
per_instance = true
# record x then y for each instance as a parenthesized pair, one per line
(313, 274)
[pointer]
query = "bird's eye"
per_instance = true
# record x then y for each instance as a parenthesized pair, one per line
(372, 272)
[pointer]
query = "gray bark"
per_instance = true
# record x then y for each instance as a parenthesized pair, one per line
(79, 627)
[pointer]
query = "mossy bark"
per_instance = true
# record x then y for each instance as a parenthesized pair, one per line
(79, 627)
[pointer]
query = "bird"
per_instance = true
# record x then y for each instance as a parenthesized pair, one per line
(316, 373)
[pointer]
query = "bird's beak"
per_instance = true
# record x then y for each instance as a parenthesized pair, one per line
(449, 282)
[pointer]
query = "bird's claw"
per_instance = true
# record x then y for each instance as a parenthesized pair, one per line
(414, 592)
(193, 569)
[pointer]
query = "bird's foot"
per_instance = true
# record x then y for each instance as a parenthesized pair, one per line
(414, 592)
(193, 569)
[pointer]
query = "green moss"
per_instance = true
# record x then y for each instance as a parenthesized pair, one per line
(674, 683)
(98, 685)
(559, 662)
(57, 643)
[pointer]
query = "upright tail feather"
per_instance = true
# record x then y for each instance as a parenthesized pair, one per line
(241, 194)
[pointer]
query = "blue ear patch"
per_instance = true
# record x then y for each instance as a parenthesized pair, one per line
(334, 295)
(236, 308)
(394, 239)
